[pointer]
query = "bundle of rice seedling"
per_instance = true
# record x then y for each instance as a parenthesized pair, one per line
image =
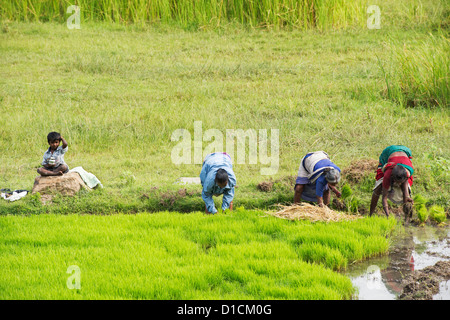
(305, 211)
(437, 213)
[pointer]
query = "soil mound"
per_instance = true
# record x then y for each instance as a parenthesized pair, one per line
(285, 183)
(48, 186)
(359, 169)
(169, 198)
(265, 186)
(424, 284)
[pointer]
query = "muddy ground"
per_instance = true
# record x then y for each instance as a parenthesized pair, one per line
(424, 284)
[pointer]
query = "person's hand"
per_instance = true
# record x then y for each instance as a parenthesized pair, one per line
(338, 194)
(386, 210)
(408, 199)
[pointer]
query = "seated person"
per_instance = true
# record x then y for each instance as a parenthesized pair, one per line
(53, 161)
(217, 177)
(316, 176)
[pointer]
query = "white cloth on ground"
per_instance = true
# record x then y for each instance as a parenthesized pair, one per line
(91, 180)
(15, 195)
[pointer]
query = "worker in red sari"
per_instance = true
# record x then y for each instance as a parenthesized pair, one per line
(394, 178)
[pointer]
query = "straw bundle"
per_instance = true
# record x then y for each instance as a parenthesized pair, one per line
(305, 211)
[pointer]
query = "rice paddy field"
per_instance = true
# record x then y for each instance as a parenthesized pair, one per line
(313, 75)
(242, 255)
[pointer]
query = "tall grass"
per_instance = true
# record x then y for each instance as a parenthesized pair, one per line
(302, 14)
(298, 13)
(419, 74)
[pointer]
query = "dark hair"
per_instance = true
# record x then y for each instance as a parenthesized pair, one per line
(52, 136)
(221, 176)
(398, 174)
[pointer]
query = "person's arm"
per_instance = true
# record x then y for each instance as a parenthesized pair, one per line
(320, 186)
(320, 201)
(64, 143)
(335, 190)
(374, 201)
(228, 196)
(384, 199)
(209, 202)
(298, 193)
(406, 197)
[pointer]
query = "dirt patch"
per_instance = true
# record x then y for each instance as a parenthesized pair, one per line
(46, 199)
(396, 211)
(424, 284)
(167, 198)
(265, 186)
(144, 196)
(182, 193)
(194, 193)
(286, 182)
(408, 210)
(170, 197)
(360, 169)
(339, 204)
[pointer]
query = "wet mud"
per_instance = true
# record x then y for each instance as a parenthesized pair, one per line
(415, 268)
(425, 284)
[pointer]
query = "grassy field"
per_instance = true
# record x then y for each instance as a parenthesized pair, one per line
(118, 102)
(242, 255)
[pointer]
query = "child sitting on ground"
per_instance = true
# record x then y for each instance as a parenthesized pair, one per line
(53, 162)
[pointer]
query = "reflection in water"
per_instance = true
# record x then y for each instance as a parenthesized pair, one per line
(444, 291)
(380, 278)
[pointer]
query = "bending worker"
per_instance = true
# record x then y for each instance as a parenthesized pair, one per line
(316, 176)
(394, 178)
(217, 177)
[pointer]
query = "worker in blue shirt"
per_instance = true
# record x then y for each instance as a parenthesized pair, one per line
(217, 177)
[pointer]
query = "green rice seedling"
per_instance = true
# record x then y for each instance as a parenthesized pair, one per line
(419, 201)
(354, 204)
(243, 255)
(437, 213)
(422, 214)
(346, 191)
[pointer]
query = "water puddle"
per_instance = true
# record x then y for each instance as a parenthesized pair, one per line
(380, 278)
